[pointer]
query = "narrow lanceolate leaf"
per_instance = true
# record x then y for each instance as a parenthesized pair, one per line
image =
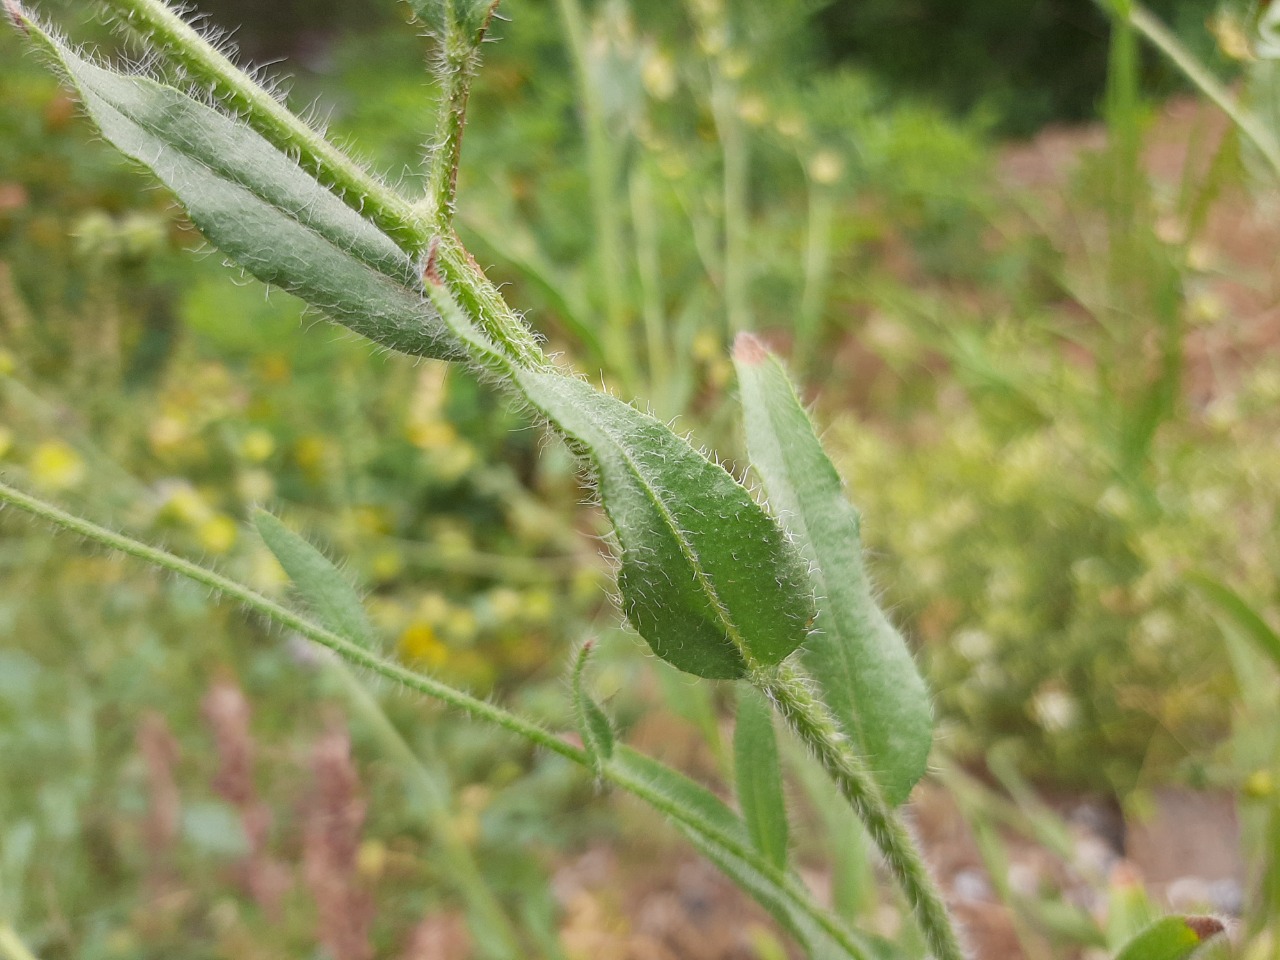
(860, 661)
(1242, 614)
(1171, 938)
(255, 205)
(593, 724)
(324, 589)
(759, 776)
(707, 577)
(722, 837)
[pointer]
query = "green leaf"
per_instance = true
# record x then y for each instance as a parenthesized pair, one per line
(707, 577)
(722, 838)
(326, 591)
(467, 19)
(759, 776)
(593, 725)
(1171, 938)
(859, 660)
(259, 208)
(1244, 616)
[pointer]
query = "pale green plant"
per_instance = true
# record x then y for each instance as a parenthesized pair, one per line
(718, 585)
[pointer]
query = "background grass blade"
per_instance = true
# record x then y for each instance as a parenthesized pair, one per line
(759, 777)
(858, 659)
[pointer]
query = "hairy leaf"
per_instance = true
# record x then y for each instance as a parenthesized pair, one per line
(858, 658)
(259, 208)
(326, 591)
(759, 776)
(1171, 938)
(707, 577)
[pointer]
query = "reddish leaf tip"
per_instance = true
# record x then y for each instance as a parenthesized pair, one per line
(17, 16)
(1204, 927)
(749, 349)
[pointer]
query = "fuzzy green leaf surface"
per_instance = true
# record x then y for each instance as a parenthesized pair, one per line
(722, 837)
(707, 577)
(326, 591)
(465, 19)
(259, 208)
(759, 776)
(1171, 938)
(860, 661)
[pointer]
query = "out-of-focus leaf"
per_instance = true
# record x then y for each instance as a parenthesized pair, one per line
(326, 591)
(1171, 938)
(1244, 616)
(858, 659)
(759, 777)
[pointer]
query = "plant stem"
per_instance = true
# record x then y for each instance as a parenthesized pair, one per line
(460, 865)
(817, 274)
(456, 69)
(474, 707)
(11, 945)
(602, 177)
(350, 651)
(814, 724)
(359, 189)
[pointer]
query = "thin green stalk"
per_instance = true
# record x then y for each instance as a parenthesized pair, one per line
(11, 945)
(650, 265)
(356, 186)
(814, 724)
(1163, 39)
(602, 178)
(477, 709)
(817, 275)
(735, 152)
(351, 652)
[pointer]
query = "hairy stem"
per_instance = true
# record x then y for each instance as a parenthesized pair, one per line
(814, 724)
(477, 709)
(455, 70)
(359, 189)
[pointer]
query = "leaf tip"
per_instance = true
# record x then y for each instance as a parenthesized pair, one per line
(750, 350)
(18, 17)
(1204, 927)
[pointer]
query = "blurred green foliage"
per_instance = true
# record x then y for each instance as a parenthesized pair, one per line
(1027, 447)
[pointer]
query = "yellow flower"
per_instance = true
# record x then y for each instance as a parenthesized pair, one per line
(826, 167)
(659, 76)
(6, 441)
(311, 454)
(7, 363)
(56, 465)
(371, 860)
(218, 533)
(186, 505)
(257, 446)
(387, 565)
(431, 434)
(419, 642)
